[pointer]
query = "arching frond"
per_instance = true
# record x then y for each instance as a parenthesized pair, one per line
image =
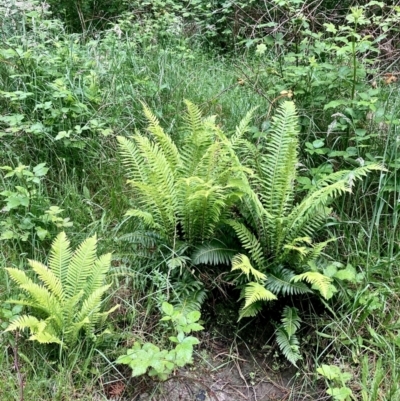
(252, 310)
(213, 253)
(279, 165)
(290, 320)
(242, 262)
(97, 276)
(256, 292)
(318, 280)
(165, 142)
(249, 242)
(51, 281)
(280, 282)
(242, 128)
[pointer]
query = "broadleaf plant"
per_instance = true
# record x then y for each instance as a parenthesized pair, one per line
(68, 297)
(148, 358)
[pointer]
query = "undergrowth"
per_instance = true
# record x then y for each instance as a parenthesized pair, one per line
(66, 97)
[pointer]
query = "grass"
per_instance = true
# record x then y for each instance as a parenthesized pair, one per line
(91, 90)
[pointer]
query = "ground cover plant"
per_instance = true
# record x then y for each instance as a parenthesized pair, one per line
(234, 163)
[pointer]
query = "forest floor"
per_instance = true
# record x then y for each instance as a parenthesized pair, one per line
(220, 372)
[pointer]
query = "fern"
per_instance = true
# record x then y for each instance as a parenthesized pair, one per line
(286, 335)
(280, 282)
(213, 253)
(242, 262)
(183, 194)
(276, 233)
(318, 280)
(69, 297)
(252, 293)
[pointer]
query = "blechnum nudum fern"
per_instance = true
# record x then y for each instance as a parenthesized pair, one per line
(182, 194)
(68, 298)
(275, 231)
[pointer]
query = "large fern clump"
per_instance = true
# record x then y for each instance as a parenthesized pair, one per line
(276, 231)
(69, 295)
(183, 194)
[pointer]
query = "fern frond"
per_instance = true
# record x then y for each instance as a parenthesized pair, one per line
(92, 305)
(213, 253)
(59, 257)
(98, 274)
(18, 276)
(146, 217)
(242, 262)
(242, 128)
(165, 142)
(252, 310)
(45, 337)
(318, 280)
(44, 300)
(316, 250)
(80, 266)
(22, 322)
(279, 166)
(132, 159)
(303, 213)
(280, 282)
(51, 281)
(288, 345)
(350, 176)
(290, 320)
(249, 242)
(254, 292)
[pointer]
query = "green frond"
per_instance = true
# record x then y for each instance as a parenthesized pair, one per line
(23, 322)
(92, 305)
(318, 281)
(165, 142)
(70, 308)
(44, 300)
(80, 266)
(59, 257)
(254, 292)
(242, 128)
(44, 337)
(289, 346)
(249, 242)
(199, 136)
(252, 310)
(290, 320)
(311, 206)
(280, 282)
(316, 250)
(213, 253)
(242, 262)
(146, 217)
(279, 166)
(18, 276)
(72, 331)
(132, 159)
(98, 274)
(51, 281)
(350, 176)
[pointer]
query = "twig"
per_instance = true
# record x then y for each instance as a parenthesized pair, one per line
(16, 366)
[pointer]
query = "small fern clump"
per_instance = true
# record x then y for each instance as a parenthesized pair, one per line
(68, 298)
